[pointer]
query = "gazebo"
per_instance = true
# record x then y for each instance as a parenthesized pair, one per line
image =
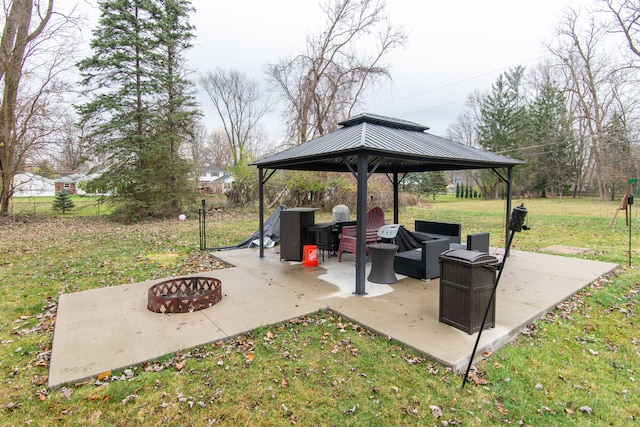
(368, 144)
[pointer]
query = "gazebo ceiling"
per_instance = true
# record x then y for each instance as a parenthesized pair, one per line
(391, 145)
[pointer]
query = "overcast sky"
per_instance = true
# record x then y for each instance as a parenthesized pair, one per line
(453, 48)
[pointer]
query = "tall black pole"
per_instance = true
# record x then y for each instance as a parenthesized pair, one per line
(203, 227)
(515, 223)
(486, 313)
(396, 199)
(509, 199)
(629, 204)
(261, 203)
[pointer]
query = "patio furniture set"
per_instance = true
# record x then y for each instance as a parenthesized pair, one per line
(432, 249)
(418, 251)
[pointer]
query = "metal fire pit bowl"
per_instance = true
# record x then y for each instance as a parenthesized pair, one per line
(184, 294)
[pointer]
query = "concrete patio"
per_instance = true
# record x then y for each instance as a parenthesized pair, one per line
(110, 328)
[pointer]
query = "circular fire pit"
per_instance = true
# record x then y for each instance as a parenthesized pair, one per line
(184, 294)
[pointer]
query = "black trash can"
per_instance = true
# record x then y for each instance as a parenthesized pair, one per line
(467, 279)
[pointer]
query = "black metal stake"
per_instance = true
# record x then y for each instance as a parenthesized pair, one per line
(515, 224)
(630, 202)
(486, 313)
(203, 226)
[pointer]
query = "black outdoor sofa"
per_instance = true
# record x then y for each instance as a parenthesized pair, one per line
(419, 251)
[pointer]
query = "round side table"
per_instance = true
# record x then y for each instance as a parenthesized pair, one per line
(382, 255)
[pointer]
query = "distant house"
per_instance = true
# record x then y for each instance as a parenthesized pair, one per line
(70, 184)
(223, 184)
(214, 180)
(31, 185)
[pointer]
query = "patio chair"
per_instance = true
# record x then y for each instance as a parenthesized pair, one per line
(388, 232)
(374, 220)
(478, 242)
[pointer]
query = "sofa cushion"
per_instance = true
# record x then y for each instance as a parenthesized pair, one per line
(415, 254)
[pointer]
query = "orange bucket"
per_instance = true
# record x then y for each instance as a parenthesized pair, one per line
(310, 255)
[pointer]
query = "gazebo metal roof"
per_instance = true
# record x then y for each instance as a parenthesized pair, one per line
(391, 144)
(370, 143)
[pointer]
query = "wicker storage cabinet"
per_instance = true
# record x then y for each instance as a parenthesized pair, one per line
(293, 235)
(467, 279)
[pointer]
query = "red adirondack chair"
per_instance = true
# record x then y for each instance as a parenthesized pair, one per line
(374, 220)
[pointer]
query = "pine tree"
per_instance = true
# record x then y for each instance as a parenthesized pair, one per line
(141, 108)
(504, 121)
(62, 202)
(549, 167)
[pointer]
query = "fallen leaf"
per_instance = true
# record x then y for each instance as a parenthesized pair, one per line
(104, 375)
(586, 409)
(66, 392)
(285, 382)
(502, 409)
(180, 365)
(478, 381)
(568, 411)
(128, 399)
(435, 411)
(249, 357)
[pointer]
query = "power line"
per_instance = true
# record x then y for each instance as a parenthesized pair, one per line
(477, 76)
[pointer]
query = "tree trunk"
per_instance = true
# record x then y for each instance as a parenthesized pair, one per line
(13, 52)
(5, 195)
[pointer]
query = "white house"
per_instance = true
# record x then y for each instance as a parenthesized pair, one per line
(214, 180)
(31, 185)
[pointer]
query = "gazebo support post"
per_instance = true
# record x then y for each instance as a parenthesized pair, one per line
(261, 209)
(508, 214)
(361, 227)
(396, 199)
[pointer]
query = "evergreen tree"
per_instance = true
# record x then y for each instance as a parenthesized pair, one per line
(549, 165)
(503, 124)
(141, 108)
(428, 182)
(62, 202)
(619, 153)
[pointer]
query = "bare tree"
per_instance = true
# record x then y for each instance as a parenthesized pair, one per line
(626, 17)
(239, 105)
(322, 86)
(217, 146)
(594, 84)
(465, 127)
(34, 52)
(465, 131)
(70, 146)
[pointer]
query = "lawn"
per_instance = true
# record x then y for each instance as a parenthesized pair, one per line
(576, 366)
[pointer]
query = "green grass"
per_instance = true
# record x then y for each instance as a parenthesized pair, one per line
(576, 366)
